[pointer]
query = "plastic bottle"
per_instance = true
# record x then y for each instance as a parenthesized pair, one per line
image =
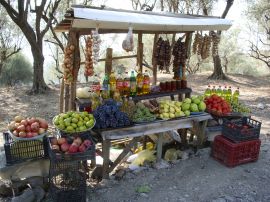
(112, 84)
(105, 87)
(236, 96)
(133, 84)
(219, 91)
(229, 94)
(213, 90)
(207, 92)
(146, 83)
(95, 85)
(126, 85)
(119, 83)
(224, 92)
(139, 79)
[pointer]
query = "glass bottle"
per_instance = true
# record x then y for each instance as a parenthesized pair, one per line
(224, 92)
(112, 84)
(235, 96)
(126, 85)
(219, 91)
(133, 84)
(207, 92)
(146, 83)
(119, 83)
(139, 79)
(229, 94)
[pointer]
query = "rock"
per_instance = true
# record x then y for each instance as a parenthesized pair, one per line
(27, 196)
(185, 155)
(260, 106)
(144, 195)
(5, 188)
(162, 164)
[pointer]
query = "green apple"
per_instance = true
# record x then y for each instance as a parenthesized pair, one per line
(74, 120)
(74, 125)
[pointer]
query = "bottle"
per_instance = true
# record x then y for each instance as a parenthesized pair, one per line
(207, 92)
(106, 86)
(213, 91)
(133, 84)
(224, 92)
(139, 79)
(112, 84)
(235, 96)
(229, 94)
(146, 83)
(126, 85)
(96, 85)
(219, 91)
(119, 83)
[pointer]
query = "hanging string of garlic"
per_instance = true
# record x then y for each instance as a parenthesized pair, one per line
(68, 64)
(96, 45)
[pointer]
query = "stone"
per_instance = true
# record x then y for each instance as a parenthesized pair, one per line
(260, 106)
(162, 164)
(144, 195)
(5, 188)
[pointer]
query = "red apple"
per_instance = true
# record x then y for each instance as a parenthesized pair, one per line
(61, 140)
(34, 134)
(17, 125)
(21, 128)
(31, 120)
(42, 123)
(15, 133)
(73, 148)
(29, 135)
(11, 125)
(65, 147)
(35, 127)
(24, 122)
(82, 148)
(28, 128)
(18, 119)
(22, 134)
(87, 143)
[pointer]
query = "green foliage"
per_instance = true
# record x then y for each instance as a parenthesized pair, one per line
(16, 70)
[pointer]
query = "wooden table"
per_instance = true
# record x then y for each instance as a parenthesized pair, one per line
(198, 122)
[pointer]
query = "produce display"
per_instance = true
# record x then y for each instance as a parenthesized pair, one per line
(70, 145)
(216, 104)
(108, 115)
(240, 107)
(128, 107)
(142, 114)
(27, 128)
(170, 109)
(89, 69)
(72, 122)
(68, 63)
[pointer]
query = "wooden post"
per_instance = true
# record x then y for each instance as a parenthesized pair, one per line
(140, 52)
(106, 144)
(67, 96)
(154, 62)
(108, 62)
(61, 98)
(159, 147)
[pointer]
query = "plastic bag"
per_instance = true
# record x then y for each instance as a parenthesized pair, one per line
(128, 44)
(145, 155)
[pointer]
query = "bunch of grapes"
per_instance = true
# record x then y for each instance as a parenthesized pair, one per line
(109, 115)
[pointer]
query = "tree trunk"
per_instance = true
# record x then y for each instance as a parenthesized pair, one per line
(218, 72)
(39, 85)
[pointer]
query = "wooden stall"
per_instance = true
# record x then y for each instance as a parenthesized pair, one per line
(83, 20)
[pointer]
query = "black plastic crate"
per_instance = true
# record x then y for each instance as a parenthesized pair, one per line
(89, 154)
(67, 181)
(241, 130)
(19, 151)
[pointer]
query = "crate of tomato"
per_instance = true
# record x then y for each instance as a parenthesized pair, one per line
(217, 105)
(241, 130)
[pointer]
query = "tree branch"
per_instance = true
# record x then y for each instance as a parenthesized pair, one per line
(11, 11)
(257, 54)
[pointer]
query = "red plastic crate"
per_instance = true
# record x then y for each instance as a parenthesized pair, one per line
(232, 154)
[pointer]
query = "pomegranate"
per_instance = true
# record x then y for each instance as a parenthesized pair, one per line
(61, 140)
(42, 123)
(82, 148)
(28, 128)
(65, 147)
(32, 120)
(73, 148)
(29, 135)
(22, 134)
(24, 122)
(21, 128)
(15, 133)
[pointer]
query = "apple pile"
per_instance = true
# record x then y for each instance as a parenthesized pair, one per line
(63, 145)
(217, 104)
(27, 128)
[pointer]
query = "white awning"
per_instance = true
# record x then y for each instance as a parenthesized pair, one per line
(147, 21)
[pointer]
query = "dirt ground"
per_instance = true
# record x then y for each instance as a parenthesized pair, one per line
(199, 178)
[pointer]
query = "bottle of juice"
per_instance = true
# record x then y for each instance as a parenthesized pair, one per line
(146, 83)
(95, 85)
(219, 91)
(236, 96)
(112, 84)
(229, 94)
(139, 83)
(207, 92)
(106, 87)
(224, 92)
(213, 91)
(126, 85)
(119, 83)
(133, 84)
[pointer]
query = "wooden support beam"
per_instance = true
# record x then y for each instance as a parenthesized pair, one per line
(154, 62)
(61, 97)
(108, 61)
(140, 52)
(66, 97)
(115, 58)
